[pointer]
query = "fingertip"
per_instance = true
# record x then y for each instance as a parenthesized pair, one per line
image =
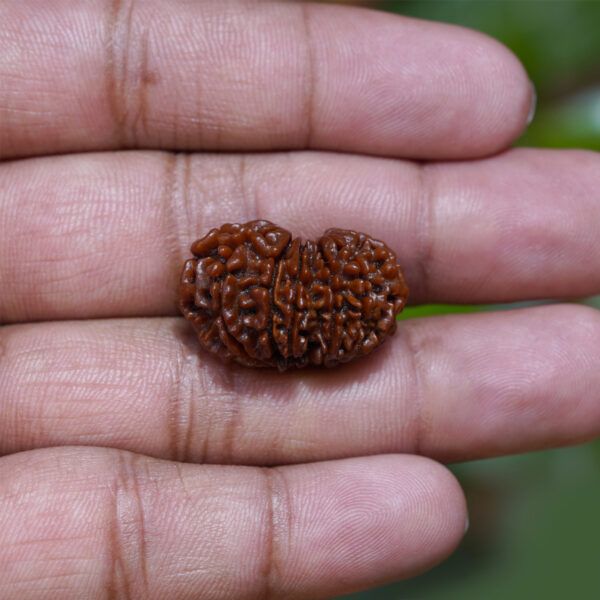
(512, 93)
(498, 96)
(431, 90)
(440, 503)
(374, 520)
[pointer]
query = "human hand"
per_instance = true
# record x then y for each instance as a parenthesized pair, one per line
(92, 245)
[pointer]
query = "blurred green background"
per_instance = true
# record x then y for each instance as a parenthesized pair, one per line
(535, 518)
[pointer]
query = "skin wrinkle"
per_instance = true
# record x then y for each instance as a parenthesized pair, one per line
(184, 488)
(223, 427)
(231, 427)
(241, 182)
(248, 196)
(267, 568)
(147, 79)
(180, 406)
(127, 47)
(309, 86)
(143, 549)
(221, 419)
(175, 203)
(112, 12)
(115, 69)
(186, 188)
(424, 228)
(201, 458)
(17, 421)
(201, 398)
(181, 420)
(191, 397)
(190, 426)
(125, 80)
(123, 568)
(116, 588)
(278, 514)
(233, 389)
(177, 177)
(3, 378)
(414, 351)
(192, 389)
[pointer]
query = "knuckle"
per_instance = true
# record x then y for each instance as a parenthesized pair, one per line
(127, 538)
(127, 77)
(417, 347)
(182, 405)
(277, 525)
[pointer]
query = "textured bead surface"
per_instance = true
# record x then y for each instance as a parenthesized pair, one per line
(260, 298)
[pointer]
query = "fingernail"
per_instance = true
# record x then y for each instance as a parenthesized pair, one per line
(533, 103)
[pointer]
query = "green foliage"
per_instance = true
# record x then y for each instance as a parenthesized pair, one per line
(430, 310)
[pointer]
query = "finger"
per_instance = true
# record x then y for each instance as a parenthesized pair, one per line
(253, 76)
(453, 388)
(110, 239)
(97, 523)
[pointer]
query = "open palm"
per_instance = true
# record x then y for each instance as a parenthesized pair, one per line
(319, 482)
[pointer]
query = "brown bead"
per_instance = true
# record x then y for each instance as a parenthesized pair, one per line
(260, 298)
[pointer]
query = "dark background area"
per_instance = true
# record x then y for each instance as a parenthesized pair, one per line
(535, 518)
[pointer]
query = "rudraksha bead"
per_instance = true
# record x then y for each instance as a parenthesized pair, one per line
(260, 298)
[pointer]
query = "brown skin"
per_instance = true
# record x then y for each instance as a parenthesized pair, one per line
(90, 243)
